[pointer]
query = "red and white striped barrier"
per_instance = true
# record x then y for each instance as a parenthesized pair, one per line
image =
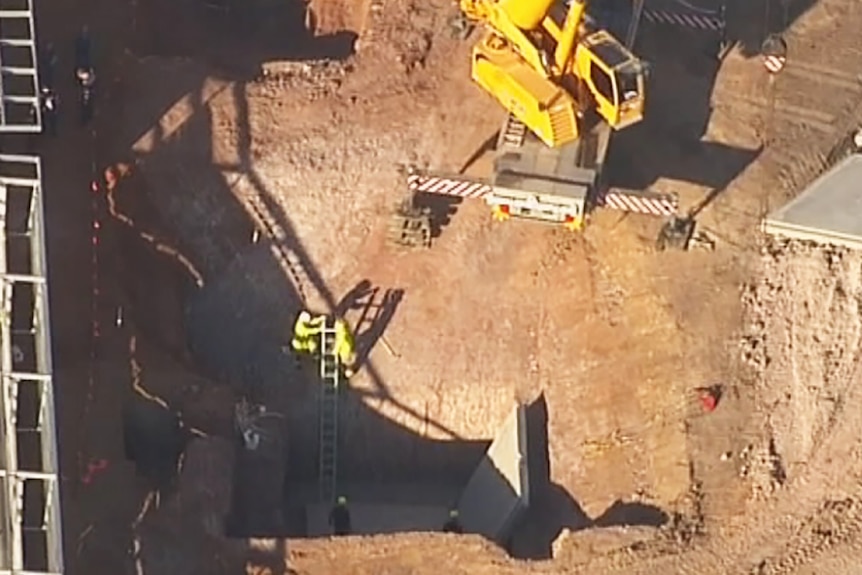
(694, 21)
(653, 205)
(447, 186)
(774, 64)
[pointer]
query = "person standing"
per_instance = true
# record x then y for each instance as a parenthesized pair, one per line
(49, 103)
(452, 525)
(85, 73)
(305, 333)
(345, 347)
(339, 517)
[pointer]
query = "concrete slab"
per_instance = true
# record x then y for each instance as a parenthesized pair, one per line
(498, 493)
(371, 519)
(827, 212)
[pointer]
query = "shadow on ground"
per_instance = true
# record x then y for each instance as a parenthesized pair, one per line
(670, 142)
(750, 22)
(442, 208)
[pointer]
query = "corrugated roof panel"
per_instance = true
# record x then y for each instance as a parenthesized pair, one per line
(828, 211)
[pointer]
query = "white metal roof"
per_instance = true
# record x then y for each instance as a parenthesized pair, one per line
(31, 539)
(829, 211)
(19, 78)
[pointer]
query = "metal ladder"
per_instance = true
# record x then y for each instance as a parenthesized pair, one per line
(330, 374)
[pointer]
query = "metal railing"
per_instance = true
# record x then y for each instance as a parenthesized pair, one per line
(31, 540)
(20, 111)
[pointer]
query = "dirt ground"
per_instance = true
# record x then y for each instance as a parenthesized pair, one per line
(272, 170)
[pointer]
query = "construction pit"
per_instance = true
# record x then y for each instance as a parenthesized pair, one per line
(250, 178)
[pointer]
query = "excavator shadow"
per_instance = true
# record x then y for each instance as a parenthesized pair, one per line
(670, 143)
(713, 165)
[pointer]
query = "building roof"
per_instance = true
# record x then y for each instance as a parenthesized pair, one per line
(827, 212)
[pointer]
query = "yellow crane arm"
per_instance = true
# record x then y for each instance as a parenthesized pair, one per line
(513, 20)
(547, 74)
(569, 37)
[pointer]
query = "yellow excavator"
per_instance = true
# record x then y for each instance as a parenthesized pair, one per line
(548, 73)
(567, 85)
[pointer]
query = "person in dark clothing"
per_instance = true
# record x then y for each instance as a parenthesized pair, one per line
(453, 525)
(85, 73)
(49, 103)
(339, 518)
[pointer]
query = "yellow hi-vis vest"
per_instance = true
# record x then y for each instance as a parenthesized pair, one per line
(304, 330)
(345, 347)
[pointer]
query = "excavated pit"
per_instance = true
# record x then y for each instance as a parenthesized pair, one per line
(238, 323)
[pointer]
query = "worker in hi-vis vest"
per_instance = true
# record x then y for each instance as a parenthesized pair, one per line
(305, 332)
(345, 347)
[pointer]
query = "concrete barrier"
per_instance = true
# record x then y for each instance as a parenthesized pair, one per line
(498, 493)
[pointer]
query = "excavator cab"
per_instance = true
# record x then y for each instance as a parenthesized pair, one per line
(614, 76)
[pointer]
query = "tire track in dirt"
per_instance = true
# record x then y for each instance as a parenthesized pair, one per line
(806, 108)
(827, 89)
(823, 73)
(836, 523)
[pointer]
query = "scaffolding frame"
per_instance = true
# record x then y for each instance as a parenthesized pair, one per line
(20, 109)
(31, 541)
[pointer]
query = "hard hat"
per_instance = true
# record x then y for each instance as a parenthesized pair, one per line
(453, 513)
(304, 317)
(342, 500)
